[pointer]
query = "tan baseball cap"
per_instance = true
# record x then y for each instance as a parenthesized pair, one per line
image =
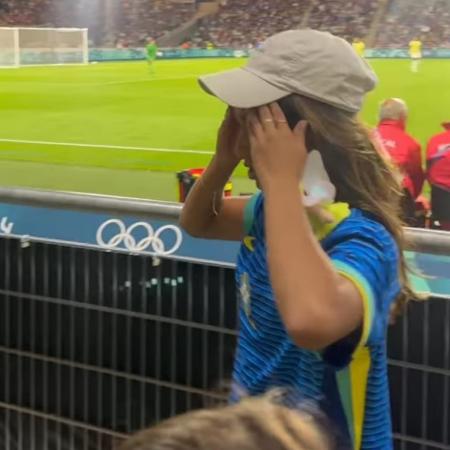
(312, 63)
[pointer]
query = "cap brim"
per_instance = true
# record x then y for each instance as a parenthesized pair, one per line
(241, 88)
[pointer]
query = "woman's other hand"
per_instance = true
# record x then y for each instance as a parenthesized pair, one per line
(229, 140)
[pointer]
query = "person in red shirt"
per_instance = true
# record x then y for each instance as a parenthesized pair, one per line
(438, 175)
(404, 151)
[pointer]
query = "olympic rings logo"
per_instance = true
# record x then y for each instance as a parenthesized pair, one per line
(127, 237)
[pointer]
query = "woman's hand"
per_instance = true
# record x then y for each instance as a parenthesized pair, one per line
(278, 153)
(229, 140)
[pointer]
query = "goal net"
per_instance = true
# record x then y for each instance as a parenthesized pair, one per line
(37, 46)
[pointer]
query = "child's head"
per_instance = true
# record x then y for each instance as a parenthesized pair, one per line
(255, 424)
(303, 64)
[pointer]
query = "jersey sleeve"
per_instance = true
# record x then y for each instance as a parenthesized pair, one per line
(364, 252)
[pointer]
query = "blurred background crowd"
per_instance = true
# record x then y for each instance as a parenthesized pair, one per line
(237, 23)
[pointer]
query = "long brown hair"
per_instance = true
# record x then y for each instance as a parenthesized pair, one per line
(362, 175)
(253, 424)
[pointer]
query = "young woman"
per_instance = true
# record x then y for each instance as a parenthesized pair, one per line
(317, 290)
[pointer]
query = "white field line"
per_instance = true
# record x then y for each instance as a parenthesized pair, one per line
(110, 147)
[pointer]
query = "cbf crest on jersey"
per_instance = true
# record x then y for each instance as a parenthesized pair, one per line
(246, 297)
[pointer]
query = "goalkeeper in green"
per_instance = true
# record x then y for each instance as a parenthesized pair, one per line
(152, 52)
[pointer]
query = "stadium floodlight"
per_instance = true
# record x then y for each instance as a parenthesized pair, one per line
(42, 46)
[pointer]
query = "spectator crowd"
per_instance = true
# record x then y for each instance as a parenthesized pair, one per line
(237, 23)
(122, 24)
(428, 20)
(23, 13)
(242, 23)
(140, 19)
(346, 18)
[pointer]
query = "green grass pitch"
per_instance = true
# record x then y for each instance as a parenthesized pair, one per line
(114, 128)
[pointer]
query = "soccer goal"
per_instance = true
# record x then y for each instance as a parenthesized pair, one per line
(42, 46)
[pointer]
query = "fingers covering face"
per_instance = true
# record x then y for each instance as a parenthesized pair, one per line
(266, 119)
(278, 116)
(271, 117)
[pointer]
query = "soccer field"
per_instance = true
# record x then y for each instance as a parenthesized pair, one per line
(114, 128)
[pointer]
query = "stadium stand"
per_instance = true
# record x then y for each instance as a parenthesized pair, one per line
(428, 20)
(132, 22)
(242, 23)
(23, 13)
(139, 20)
(346, 18)
(238, 23)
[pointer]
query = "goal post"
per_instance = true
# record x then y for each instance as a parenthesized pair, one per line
(9, 47)
(43, 46)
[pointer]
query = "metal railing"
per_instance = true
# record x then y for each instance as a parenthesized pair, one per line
(90, 202)
(421, 240)
(96, 344)
(419, 374)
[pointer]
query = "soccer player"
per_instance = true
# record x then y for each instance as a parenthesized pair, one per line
(359, 47)
(415, 53)
(404, 151)
(317, 291)
(438, 175)
(152, 52)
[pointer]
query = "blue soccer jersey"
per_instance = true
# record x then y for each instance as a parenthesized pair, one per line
(348, 380)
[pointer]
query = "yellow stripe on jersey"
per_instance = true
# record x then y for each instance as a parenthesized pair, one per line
(359, 375)
(352, 386)
(352, 381)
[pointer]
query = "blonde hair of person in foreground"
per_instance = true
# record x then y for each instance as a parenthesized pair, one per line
(254, 424)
